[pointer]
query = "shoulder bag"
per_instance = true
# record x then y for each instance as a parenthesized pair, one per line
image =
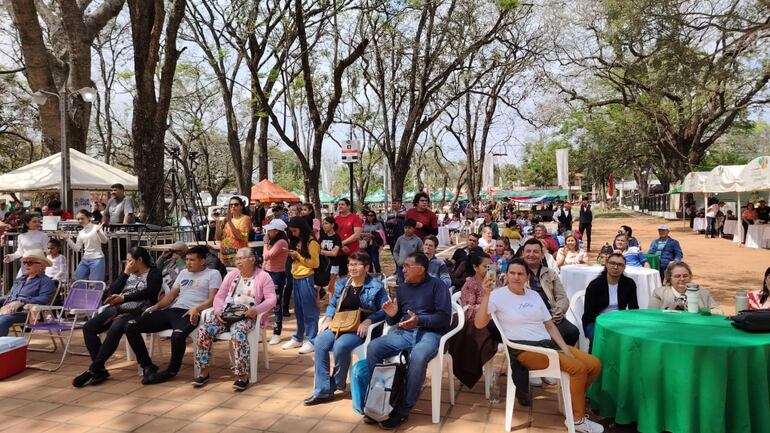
(345, 321)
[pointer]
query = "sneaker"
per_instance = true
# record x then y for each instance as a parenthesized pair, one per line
(161, 376)
(393, 422)
(147, 372)
(369, 420)
(201, 380)
(83, 379)
(291, 344)
(100, 376)
(240, 384)
(535, 381)
(585, 425)
(307, 347)
(549, 381)
(274, 340)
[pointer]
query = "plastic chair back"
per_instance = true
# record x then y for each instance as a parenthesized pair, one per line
(575, 315)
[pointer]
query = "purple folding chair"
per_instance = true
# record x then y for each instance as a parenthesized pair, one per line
(83, 300)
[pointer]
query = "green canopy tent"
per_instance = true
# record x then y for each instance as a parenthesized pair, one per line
(408, 196)
(435, 196)
(676, 190)
(326, 198)
(375, 197)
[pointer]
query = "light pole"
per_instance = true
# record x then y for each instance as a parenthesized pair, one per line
(39, 98)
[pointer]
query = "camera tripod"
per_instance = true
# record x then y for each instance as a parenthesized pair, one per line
(180, 190)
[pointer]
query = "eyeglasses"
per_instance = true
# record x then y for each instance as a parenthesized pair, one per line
(246, 258)
(616, 264)
(28, 262)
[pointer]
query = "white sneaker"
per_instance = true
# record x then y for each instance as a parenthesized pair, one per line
(535, 381)
(291, 344)
(307, 347)
(585, 425)
(549, 381)
(274, 340)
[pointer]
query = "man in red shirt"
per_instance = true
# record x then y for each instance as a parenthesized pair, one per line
(427, 223)
(541, 233)
(349, 228)
(54, 209)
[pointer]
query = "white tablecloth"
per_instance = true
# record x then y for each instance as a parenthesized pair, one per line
(699, 224)
(576, 278)
(730, 227)
(758, 236)
(443, 235)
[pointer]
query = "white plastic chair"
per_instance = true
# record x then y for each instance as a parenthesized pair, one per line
(442, 362)
(575, 315)
(552, 371)
(360, 351)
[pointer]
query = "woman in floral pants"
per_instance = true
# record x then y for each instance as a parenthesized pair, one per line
(249, 289)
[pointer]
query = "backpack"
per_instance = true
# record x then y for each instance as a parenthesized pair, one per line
(755, 321)
(387, 388)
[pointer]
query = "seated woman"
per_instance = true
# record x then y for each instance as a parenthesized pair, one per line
(673, 294)
(525, 319)
(571, 253)
(359, 291)
(760, 299)
(634, 257)
(245, 292)
(610, 291)
(629, 232)
(604, 252)
(131, 293)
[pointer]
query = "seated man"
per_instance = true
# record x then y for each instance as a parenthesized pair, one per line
(192, 292)
(420, 313)
(33, 288)
(171, 263)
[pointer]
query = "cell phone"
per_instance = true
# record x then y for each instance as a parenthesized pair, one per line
(491, 270)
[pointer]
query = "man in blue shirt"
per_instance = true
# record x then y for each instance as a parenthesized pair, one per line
(666, 248)
(420, 313)
(33, 288)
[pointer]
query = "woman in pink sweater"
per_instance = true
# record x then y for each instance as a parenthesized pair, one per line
(274, 255)
(244, 294)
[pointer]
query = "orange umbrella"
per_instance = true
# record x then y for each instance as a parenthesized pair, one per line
(268, 192)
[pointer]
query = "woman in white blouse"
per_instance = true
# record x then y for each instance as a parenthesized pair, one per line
(90, 239)
(31, 238)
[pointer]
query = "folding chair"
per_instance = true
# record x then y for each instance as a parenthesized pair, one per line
(33, 312)
(83, 300)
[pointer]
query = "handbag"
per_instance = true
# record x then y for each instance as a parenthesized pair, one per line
(232, 313)
(754, 321)
(345, 321)
(134, 307)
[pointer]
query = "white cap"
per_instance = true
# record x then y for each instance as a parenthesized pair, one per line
(275, 224)
(663, 227)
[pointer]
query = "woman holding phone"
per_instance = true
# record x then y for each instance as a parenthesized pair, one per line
(233, 231)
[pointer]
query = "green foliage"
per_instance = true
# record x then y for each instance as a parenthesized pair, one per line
(539, 167)
(287, 171)
(507, 5)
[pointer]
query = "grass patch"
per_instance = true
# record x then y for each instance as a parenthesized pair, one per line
(613, 214)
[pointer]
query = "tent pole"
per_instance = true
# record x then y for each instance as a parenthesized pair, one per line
(739, 229)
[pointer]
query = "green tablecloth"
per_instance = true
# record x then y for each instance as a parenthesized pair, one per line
(653, 260)
(681, 372)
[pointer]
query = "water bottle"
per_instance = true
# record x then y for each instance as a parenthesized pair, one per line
(693, 298)
(494, 388)
(741, 300)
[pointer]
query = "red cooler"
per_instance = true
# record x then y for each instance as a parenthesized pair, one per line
(13, 356)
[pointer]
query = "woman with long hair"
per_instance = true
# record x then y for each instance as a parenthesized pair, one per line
(307, 212)
(473, 290)
(571, 253)
(331, 248)
(90, 238)
(233, 231)
(31, 238)
(304, 252)
(760, 299)
(274, 256)
(372, 237)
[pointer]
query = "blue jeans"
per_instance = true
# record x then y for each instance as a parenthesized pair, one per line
(399, 275)
(711, 226)
(306, 309)
(374, 253)
(279, 280)
(422, 346)
(342, 348)
(91, 269)
(6, 320)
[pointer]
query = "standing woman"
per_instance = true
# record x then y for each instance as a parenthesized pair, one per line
(274, 257)
(304, 252)
(331, 248)
(233, 231)
(31, 238)
(90, 239)
(307, 212)
(749, 216)
(372, 235)
(570, 253)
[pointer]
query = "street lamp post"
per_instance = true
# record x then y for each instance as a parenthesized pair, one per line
(88, 94)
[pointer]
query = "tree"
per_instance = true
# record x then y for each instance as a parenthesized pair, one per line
(70, 27)
(691, 68)
(152, 29)
(539, 166)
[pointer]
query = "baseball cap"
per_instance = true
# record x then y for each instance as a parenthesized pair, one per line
(663, 227)
(275, 224)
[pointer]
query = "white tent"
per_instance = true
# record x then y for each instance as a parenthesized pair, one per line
(694, 181)
(755, 175)
(724, 178)
(86, 173)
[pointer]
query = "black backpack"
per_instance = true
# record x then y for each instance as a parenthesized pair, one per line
(755, 321)
(387, 388)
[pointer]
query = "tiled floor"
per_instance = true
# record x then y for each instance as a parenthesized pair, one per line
(36, 401)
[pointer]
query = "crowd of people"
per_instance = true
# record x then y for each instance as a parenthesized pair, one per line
(507, 273)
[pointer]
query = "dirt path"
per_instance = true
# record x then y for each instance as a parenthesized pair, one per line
(717, 264)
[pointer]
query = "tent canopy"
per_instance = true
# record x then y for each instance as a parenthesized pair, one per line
(86, 174)
(436, 195)
(375, 197)
(755, 175)
(266, 191)
(695, 181)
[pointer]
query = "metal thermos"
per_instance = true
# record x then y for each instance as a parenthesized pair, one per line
(693, 298)
(741, 300)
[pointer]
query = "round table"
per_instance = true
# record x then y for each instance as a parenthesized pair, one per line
(681, 372)
(758, 236)
(730, 227)
(575, 278)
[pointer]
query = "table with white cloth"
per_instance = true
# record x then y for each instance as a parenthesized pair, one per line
(699, 224)
(575, 278)
(758, 236)
(443, 235)
(730, 227)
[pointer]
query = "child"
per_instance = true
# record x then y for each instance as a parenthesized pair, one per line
(406, 244)
(502, 265)
(58, 270)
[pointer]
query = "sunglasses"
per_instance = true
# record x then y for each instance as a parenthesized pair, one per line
(29, 262)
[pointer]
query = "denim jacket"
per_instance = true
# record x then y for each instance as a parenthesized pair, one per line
(373, 296)
(36, 290)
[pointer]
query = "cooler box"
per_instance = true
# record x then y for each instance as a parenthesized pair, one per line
(13, 356)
